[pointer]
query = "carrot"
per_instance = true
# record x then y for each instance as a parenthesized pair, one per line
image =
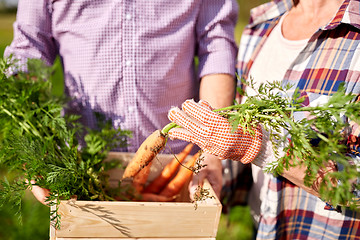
(152, 197)
(169, 171)
(146, 153)
(140, 179)
(175, 185)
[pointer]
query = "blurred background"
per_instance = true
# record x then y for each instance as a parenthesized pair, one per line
(34, 224)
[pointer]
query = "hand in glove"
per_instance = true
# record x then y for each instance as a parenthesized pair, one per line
(213, 133)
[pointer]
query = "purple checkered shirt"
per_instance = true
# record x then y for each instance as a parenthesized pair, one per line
(131, 60)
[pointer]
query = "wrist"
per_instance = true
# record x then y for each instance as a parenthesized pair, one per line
(252, 143)
(266, 153)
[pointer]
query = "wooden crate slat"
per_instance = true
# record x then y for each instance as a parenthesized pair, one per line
(136, 238)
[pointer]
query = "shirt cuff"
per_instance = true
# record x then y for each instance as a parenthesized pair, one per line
(266, 153)
(219, 62)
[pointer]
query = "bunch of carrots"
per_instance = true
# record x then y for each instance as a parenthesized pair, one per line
(168, 184)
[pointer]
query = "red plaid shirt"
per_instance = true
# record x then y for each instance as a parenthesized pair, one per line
(330, 57)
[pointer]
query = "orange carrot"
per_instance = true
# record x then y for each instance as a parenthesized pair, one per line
(152, 197)
(169, 171)
(140, 179)
(145, 154)
(184, 174)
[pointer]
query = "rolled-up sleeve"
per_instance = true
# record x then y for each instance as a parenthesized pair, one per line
(215, 36)
(32, 33)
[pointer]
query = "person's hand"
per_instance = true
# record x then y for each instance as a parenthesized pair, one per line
(213, 133)
(40, 194)
(212, 172)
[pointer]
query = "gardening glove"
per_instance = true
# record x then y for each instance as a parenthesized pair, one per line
(212, 172)
(213, 133)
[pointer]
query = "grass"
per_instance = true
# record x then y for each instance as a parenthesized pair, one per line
(35, 225)
(236, 225)
(6, 30)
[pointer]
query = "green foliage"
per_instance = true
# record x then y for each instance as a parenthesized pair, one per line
(237, 224)
(34, 225)
(276, 111)
(38, 143)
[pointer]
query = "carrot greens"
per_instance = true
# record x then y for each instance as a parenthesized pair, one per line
(38, 142)
(310, 141)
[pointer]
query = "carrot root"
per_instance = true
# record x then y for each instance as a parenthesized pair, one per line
(140, 179)
(169, 171)
(152, 197)
(184, 174)
(145, 154)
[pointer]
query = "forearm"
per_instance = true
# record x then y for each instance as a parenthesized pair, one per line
(297, 174)
(218, 90)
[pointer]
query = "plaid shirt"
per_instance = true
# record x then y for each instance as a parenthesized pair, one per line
(330, 57)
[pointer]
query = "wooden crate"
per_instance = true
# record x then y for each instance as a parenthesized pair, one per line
(125, 220)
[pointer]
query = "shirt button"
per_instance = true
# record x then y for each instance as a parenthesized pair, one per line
(128, 16)
(131, 109)
(128, 63)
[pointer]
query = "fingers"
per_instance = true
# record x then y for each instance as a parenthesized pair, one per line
(183, 134)
(201, 111)
(196, 181)
(178, 116)
(212, 172)
(205, 104)
(40, 194)
(193, 187)
(254, 148)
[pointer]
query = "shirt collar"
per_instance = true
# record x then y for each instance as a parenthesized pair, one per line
(269, 11)
(348, 13)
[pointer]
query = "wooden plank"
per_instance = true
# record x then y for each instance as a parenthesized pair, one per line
(136, 219)
(136, 238)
